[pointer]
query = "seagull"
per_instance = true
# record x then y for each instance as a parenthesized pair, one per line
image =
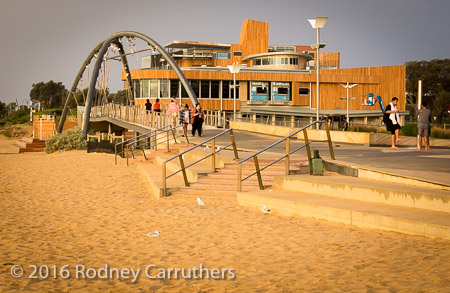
(206, 148)
(153, 234)
(266, 210)
(200, 202)
(182, 157)
(217, 149)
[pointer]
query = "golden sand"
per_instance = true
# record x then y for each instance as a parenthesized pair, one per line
(75, 208)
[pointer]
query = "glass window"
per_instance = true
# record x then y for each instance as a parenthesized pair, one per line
(154, 88)
(303, 91)
(271, 61)
(146, 61)
(145, 88)
(205, 89)
(283, 90)
(183, 92)
(174, 87)
(258, 61)
(215, 89)
(261, 90)
(195, 85)
(265, 61)
(137, 88)
(164, 88)
(226, 89)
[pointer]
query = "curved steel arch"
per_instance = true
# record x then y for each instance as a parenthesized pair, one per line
(101, 49)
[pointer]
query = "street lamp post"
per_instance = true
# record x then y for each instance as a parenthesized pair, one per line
(235, 68)
(318, 23)
(348, 86)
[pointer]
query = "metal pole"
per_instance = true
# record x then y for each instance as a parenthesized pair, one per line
(348, 120)
(234, 103)
(317, 80)
(419, 105)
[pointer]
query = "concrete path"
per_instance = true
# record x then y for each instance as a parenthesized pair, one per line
(431, 165)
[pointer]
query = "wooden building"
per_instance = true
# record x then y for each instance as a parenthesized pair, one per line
(274, 79)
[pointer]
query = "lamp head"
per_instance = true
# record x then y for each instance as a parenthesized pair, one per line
(318, 22)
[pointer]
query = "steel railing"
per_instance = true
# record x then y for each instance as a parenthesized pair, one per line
(213, 153)
(286, 156)
(148, 140)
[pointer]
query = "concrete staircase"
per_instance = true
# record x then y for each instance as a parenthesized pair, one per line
(28, 144)
(224, 181)
(203, 180)
(364, 203)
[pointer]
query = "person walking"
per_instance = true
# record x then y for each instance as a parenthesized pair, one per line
(172, 111)
(157, 106)
(148, 106)
(197, 117)
(423, 126)
(392, 121)
(185, 117)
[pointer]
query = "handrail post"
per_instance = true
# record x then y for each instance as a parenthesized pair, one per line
(173, 134)
(164, 179)
(330, 143)
(183, 169)
(258, 173)
(167, 138)
(308, 149)
(287, 155)
(213, 155)
(236, 156)
(239, 177)
(115, 154)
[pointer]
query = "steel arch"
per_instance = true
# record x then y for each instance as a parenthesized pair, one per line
(100, 50)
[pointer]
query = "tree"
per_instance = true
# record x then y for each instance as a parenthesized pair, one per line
(3, 110)
(435, 76)
(49, 94)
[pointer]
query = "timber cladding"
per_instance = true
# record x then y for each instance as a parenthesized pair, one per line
(386, 81)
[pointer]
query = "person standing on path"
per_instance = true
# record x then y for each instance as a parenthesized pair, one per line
(185, 117)
(423, 126)
(197, 117)
(392, 121)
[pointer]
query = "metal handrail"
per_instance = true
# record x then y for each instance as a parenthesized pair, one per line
(286, 156)
(156, 132)
(212, 154)
(144, 134)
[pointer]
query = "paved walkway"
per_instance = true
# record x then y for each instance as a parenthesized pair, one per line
(431, 165)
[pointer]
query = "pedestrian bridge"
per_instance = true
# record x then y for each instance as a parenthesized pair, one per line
(116, 118)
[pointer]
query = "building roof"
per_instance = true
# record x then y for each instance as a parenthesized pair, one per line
(189, 44)
(306, 56)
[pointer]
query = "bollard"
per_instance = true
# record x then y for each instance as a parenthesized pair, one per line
(316, 165)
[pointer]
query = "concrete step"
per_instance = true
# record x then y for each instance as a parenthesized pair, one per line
(21, 143)
(366, 190)
(152, 173)
(232, 180)
(352, 212)
(353, 170)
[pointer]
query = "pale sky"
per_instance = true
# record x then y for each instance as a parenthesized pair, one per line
(44, 40)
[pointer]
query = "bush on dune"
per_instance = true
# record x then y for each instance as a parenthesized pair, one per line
(68, 140)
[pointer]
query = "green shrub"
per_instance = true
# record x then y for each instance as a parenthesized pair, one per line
(68, 140)
(439, 133)
(409, 130)
(6, 133)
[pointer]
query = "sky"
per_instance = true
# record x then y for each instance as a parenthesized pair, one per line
(44, 40)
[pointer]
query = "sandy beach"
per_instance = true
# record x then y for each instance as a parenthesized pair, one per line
(74, 208)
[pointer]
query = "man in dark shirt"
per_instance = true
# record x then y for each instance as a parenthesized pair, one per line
(392, 121)
(423, 126)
